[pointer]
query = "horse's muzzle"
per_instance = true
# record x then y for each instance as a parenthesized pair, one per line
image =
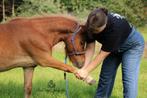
(78, 64)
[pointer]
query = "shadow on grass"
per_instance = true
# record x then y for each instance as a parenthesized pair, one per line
(40, 88)
(56, 89)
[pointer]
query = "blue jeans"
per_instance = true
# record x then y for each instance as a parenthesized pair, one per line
(129, 55)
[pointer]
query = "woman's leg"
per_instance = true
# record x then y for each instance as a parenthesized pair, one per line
(130, 70)
(107, 76)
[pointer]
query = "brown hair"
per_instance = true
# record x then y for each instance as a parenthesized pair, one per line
(97, 18)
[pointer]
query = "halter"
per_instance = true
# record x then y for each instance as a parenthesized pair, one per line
(75, 52)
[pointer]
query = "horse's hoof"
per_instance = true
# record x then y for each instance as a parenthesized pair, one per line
(92, 82)
(89, 80)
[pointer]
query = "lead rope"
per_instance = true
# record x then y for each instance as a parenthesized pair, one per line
(65, 78)
(65, 60)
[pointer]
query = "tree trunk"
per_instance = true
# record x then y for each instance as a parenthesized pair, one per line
(4, 17)
(13, 8)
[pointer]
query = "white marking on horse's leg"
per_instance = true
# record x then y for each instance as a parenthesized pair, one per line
(90, 80)
(28, 75)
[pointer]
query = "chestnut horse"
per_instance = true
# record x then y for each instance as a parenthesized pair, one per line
(28, 42)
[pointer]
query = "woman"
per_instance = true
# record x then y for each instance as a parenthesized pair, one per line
(121, 43)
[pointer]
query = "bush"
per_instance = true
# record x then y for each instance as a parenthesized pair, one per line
(132, 9)
(37, 7)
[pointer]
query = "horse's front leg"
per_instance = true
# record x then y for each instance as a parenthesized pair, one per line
(28, 75)
(41, 54)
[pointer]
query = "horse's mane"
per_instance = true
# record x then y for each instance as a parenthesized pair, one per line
(72, 18)
(53, 22)
(59, 15)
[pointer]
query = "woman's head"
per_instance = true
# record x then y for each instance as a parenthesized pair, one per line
(97, 20)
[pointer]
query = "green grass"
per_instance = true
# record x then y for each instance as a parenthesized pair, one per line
(143, 30)
(11, 83)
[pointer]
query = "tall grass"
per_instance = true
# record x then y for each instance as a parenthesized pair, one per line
(49, 83)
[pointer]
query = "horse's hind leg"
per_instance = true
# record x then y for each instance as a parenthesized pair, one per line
(28, 75)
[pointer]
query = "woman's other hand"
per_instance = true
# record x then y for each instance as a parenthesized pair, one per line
(81, 74)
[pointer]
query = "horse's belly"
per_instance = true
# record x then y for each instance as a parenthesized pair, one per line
(17, 62)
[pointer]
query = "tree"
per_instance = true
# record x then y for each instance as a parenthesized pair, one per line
(8, 8)
(3, 4)
(13, 8)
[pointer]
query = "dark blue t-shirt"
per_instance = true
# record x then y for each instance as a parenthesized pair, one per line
(114, 34)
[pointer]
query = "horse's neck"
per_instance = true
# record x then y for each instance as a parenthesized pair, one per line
(56, 23)
(62, 25)
(59, 37)
(60, 30)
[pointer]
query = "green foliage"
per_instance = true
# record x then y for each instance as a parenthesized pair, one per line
(132, 9)
(37, 7)
(78, 5)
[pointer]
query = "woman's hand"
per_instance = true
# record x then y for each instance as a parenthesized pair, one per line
(81, 74)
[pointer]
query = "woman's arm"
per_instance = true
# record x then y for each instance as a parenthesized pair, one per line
(83, 72)
(99, 58)
(90, 49)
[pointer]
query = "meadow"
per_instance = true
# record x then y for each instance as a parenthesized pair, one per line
(49, 83)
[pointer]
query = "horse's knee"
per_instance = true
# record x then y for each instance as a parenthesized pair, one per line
(28, 90)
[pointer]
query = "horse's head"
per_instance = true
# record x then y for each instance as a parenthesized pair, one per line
(75, 47)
